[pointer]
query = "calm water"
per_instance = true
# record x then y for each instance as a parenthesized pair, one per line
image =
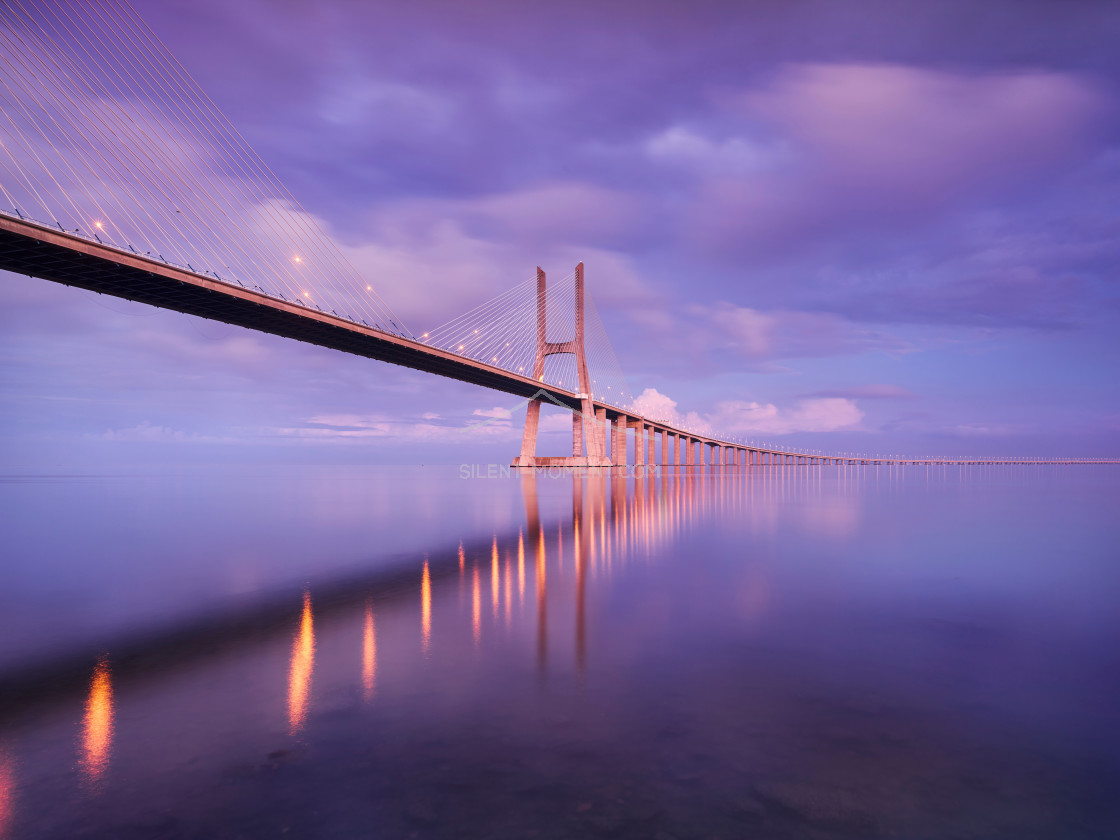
(785, 653)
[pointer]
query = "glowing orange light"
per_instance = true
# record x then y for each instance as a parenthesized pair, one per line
(495, 358)
(97, 726)
(369, 655)
(299, 259)
(369, 288)
(306, 295)
(425, 335)
(426, 608)
(299, 673)
(460, 346)
(98, 225)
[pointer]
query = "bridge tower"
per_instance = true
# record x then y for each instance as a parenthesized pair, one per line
(584, 426)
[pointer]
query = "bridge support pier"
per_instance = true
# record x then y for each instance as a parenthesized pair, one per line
(601, 426)
(618, 442)
(583, 422)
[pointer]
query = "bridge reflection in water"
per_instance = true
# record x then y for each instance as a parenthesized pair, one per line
(614, 519)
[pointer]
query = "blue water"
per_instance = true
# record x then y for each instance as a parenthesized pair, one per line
(794, 652)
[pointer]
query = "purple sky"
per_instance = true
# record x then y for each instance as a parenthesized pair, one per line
(867, 226)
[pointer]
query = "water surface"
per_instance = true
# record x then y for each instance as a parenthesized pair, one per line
(783, 652)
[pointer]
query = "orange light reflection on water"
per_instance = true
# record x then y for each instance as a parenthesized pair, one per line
(476, 604)
(426, 608)
(299, 674)
(7, 793)
(369, 656)
(97, 726)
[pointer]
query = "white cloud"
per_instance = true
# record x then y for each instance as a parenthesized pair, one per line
(497, 412)
(740, 417)
(358, 428)
(824, 414)
(556, 422)
(657, 406)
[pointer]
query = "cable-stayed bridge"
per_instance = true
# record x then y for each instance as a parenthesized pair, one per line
(119, 175)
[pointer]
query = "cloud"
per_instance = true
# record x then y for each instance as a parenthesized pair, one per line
(726, 336)
(786, 334)
(1010, 295)
(822, 414)
(883, 144)
(435, 259)
(497, 412)
(868, 392)
(555, 422)
(403, 110)
(918, 132)
(557, 211)
(657, 406)
(741, 417)
(147, 433)
(367, 428)
(690, 149)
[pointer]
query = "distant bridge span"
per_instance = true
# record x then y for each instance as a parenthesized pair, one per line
(30, 248)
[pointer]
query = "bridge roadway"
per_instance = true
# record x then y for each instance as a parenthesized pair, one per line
(37, 250)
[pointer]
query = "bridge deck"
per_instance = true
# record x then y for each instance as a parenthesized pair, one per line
(38, 251)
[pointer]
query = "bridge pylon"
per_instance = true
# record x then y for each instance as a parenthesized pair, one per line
(585, 431)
